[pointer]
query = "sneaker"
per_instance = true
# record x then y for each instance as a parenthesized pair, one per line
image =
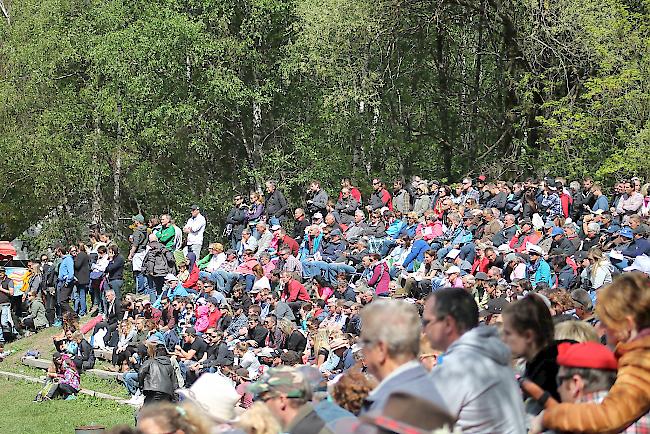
(57, 323)
(71, 397)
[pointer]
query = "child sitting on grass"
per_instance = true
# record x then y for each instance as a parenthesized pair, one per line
(64, 378)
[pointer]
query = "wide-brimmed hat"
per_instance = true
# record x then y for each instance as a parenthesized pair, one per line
(215, 395)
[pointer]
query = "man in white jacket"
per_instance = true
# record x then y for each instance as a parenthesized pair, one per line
(473, 374)
(194, 229)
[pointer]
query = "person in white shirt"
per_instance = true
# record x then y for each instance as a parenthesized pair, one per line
(194, 228)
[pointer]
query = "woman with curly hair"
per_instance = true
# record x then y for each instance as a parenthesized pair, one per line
(170, 418)
(351, 390)
(258, 420)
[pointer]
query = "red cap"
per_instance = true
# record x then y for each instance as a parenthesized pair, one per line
(590, 355)
(482, 178)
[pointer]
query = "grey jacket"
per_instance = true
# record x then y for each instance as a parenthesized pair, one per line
(414, 380)
(37, 313)
(479, 385)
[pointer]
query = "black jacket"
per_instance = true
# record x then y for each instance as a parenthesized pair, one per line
(82, 268)
(237, 218)
(296, 342)
(543, 369)
(504, 235)
(157, 375)
(258, 334)
(85, 358)
(276, 204)
(114, 313)
(299, 229)
(563, 247)
(115, 268)
(219, 355)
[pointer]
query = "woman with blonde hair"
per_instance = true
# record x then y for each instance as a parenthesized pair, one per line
(599, 272)
(624, 309)
(173, 419)
(258, 420)
(578, 331)
(121, 353)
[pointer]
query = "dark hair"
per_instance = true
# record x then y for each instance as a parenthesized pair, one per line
(458, 304)
(275, 295)
(531, 313)
(102, 249)
(113, 248)
(558, 261)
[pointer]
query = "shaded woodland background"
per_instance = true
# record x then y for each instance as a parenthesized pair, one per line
(113, 107)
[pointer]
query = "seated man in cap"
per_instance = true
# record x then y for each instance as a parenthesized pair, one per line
(287, 394)
(561, 245)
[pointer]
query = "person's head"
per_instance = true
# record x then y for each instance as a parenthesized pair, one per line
(271, 186)
(110, 295)
(527, 326)
(189, 335)
(578, 331)
(285, 277)
(584, 368)
(261, 227)
(241, 348)
(253, 321)
(366, 261)
(390, 335)
(113, 251)
(467, 184)
(352, 389)
(172, 419)
(284, 390)
(448, 314)
(377, 184)
(254, 197)
(270, 322)
(624, 306)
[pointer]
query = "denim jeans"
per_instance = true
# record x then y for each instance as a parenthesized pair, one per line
(6, 322)
(223, 280)
(130, 380)
(141, 284)
(80, 300)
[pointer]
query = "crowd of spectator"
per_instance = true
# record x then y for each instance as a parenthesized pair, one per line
(408, 310)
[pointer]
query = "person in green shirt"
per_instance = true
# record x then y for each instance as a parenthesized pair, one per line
(166, 234)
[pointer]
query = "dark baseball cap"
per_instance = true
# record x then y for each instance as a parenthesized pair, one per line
(494, 307)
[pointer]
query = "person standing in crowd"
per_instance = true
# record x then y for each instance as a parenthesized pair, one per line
(6, 292)
(194, 228)
(528, 331)
(137, 252)
(82, 277)
(114, 272)
(379, 198)
(275, 205)
(476, 355)
(166, 234)
(236, 220)
(157, 263)
(65, 283)
(317, 199)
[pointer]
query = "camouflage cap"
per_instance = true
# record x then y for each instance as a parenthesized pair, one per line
(287, 381)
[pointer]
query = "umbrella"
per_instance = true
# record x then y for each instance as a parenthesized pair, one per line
(7, 250)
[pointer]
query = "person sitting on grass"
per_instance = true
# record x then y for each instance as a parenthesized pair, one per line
(85, 356)
(36, 319)
(64, 376)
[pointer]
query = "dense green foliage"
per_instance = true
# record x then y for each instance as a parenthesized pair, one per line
(109, 107)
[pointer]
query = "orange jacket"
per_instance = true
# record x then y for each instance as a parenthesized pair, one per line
(627, 400)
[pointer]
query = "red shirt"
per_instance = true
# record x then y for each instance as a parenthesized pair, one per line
(292, 244)
(295, 291)
(213, 318)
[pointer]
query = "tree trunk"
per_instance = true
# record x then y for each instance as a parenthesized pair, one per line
(443, 108)
(117, 170)
(4, 7)
(97, 192)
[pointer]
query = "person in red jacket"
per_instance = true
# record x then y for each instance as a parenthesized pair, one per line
(190, 283)
(293, 292)
(354, 191)
(281, 239)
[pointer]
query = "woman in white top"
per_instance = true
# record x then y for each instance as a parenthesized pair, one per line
(246, 358)
(261, 281)
(599, 272)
